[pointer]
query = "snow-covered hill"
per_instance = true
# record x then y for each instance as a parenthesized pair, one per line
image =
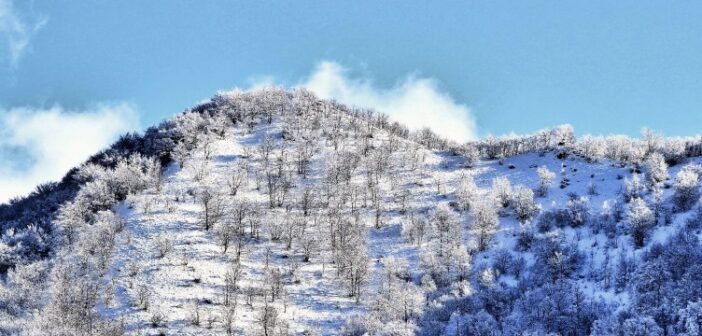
(276, 213)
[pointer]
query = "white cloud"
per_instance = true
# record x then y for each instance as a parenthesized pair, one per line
(17, 31)
(54, 140)
(415, 102)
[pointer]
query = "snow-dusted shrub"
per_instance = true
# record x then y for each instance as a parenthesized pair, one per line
(575, 214)
(358, 325)
(180, 154)
(592, 189)
(525, 237)
(471, 153)
(157, 318)
(695, 221)
(275, 228)
(395, 268)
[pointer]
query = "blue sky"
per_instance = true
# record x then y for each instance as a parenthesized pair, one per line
(496, 66)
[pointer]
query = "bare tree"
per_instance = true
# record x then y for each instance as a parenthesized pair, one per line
(268, 318)
(213, 205)
(237, 177)
(163, 246)
(231, 287)
(225, 233)
(228, 318)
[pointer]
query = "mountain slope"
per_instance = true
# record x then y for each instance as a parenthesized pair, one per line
(277, 213)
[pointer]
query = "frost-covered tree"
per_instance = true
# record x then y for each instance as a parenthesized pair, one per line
(652, 141)
(502, 192)
(484, 223)
(415, 228)
(356, 270)
(445, 263)
(523, 203)
(593, 148)
(545, 179)
(633, 188)
(397, 299)
(564, 135)
(686, 188)
(578, 211)
(466, 192)
(446, 223)
(180, 154)
(199, 169)
(641, 220)
(656, 169)
(673, 150)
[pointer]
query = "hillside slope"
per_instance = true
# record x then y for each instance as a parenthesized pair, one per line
(276, 213)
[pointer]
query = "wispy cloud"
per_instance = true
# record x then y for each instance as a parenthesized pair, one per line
(414, 101)
(17, 31)
(49, 142)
